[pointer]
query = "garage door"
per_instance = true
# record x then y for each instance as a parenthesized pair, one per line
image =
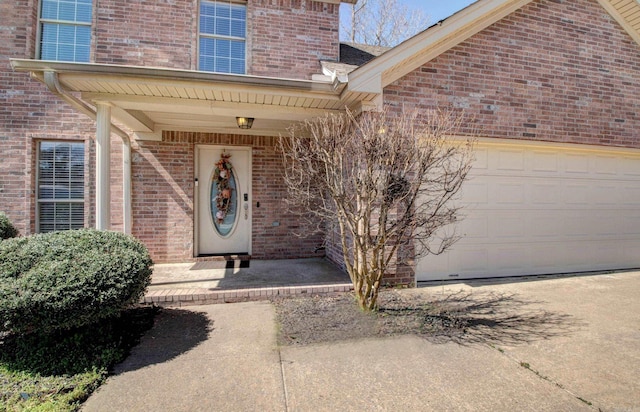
(541, 209)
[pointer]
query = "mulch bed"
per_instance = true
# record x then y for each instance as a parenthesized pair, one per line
(319, 319)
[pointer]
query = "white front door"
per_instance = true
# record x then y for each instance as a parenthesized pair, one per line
(223, 200)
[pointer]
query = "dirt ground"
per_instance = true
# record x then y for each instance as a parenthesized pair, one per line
(463, 317)
(319, 319)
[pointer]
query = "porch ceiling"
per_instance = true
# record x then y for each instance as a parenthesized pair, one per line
(150, 100)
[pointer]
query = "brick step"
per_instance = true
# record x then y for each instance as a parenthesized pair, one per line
(196, 296)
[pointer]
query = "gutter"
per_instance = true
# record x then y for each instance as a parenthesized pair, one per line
(179, 75)
(53, 83)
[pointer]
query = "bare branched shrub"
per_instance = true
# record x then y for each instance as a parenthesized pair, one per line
(387, 180)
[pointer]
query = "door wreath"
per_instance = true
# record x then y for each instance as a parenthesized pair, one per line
(221, 177)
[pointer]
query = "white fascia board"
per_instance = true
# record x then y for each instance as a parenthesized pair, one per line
(135, 120)
(155, 136)
(365, 82)
(175, 75)
(418, 50)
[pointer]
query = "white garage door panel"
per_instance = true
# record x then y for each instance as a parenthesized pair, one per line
(530, 259)
(548, 209)
(528, 226)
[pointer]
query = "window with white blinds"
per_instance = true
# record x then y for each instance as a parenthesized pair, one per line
(60, 186)
(65, 30)
(223, 27)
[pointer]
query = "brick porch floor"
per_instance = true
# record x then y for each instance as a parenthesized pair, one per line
(187, 284)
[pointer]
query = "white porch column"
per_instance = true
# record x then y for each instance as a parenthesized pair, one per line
(126, 185)
(103, 166)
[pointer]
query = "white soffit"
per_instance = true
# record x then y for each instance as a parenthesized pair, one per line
(626, 13)
(152, 99)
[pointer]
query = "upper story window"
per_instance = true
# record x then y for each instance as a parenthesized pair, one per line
(65, 30)
(223, 27)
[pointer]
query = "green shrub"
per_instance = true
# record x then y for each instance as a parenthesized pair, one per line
(7, 230)
(98, 346)
(57, 371)
(62, 280)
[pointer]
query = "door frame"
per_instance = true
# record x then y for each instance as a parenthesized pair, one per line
(196, 192)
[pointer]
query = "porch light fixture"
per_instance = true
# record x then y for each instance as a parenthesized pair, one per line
(244, 122)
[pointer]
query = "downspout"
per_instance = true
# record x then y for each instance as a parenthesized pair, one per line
(52, 82)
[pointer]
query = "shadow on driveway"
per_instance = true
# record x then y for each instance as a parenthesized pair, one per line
(469, 317)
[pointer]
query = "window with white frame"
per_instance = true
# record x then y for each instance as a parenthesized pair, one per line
(65, 30)
(223, 27)
(60, 186)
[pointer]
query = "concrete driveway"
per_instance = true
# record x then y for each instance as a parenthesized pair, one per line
(546, 345)
(599, 360)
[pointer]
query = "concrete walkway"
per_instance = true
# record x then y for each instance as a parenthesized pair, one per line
(569, 344)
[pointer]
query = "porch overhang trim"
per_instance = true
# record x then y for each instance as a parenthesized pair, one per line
(133, 73)
(150, 100)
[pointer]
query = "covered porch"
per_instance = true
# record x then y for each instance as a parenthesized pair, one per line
(175, 126)
(148, 106)
(156, 184)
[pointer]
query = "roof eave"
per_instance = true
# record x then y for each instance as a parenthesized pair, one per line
(149, 100)
(627, 14)
(159, 73)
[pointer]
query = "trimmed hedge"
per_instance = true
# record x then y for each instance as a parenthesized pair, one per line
(7, 230)
(67, 279)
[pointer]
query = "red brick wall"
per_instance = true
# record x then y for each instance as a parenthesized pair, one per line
(334, 246)
(154, 33)
(285, 38)
(399, 271)
(162, 199)
(28, 113)
(161, 33)
(269, 241)
(16, 34)
(561, 71)
(288, 38)
(163, 194)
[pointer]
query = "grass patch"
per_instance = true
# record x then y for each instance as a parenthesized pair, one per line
(28, 391)
(58, 371)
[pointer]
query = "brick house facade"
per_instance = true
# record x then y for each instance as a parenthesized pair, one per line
(555, 71)
(560, 71)
(158, 34)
